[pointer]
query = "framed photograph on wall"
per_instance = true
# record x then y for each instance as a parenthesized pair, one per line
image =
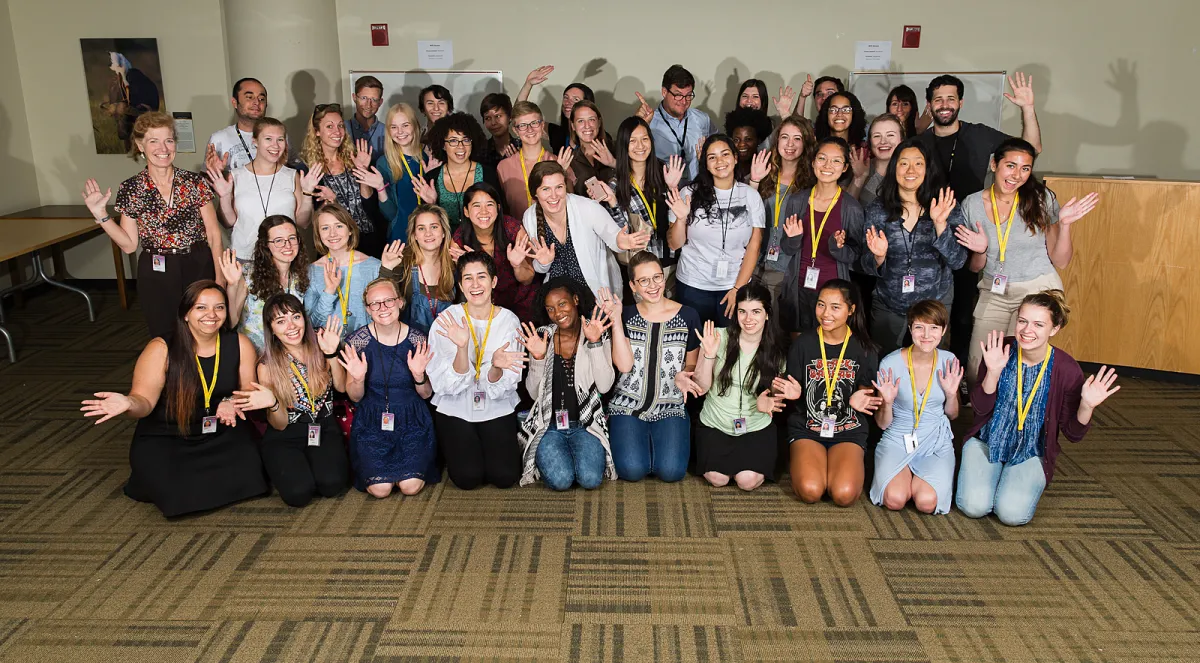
(124, 80)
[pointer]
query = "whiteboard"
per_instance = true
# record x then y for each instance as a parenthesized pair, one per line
(467, 87)
(983, 92)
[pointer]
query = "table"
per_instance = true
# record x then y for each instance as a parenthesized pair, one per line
(30, 231)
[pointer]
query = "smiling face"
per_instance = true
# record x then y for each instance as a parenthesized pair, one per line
(839, 113)
(482, 212)
(945, 104)
(678, 99)
(822, 92)
(402, 130)
(208, 314)
(288, 327)
(900, 108)
(551, 194)
(475, 283)
(1013, 171)
(910, 169)
(586, 124)
(1035, 327)
(384, 303)
(720, 159)
(750, 98)
(251, 101)
(562, 308)
(496, 122)
(367, 101)
(751, 316)
(745, 139)
(885, 136)
(529, 128)
(571, 96)
(331, 130)
(333, 233)
(428, 232)
(829, 164)
(639, 145)
(833, 311)
(648, 282)
(926, 336)
(791, 143)
(283, 242)
(158, 146)
(271, 143)
(458, 147)
(434, 108)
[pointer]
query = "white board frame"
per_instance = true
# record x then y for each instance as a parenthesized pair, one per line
(983, 96)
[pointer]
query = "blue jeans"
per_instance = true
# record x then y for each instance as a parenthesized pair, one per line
(1011, 491)
(706, 302)
(643, 447)
(566, 456)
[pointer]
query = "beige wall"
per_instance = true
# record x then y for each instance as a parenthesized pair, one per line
(18, 186)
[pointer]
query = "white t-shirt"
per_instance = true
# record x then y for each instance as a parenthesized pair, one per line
(277, 192)
(226, 140)
(454, 393)
(717, 237)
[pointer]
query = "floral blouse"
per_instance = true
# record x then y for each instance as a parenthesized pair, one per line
(178, 225)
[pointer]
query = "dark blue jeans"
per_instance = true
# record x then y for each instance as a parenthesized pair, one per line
(566, 456)
(706, 302)
(650, 447)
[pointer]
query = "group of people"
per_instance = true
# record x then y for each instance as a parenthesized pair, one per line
(541, 304)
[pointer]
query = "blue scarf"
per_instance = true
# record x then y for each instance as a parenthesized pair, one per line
(1005, 443)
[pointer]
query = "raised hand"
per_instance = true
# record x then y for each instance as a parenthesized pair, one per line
(539, 75)
(393, 254)
(362, 153)
(877, 242)
(457, 332)
(333, 275)
(231, 269)
(995, 352)
(106, 405)
(227, 413)
(534, 342)
(595, 326)
(806, 88)
(609, 303)
(504, 359)
(710, 342)
(974, 240)
(700, 149)
(369, 177)
(508, 150)
(325, 194)
(768, 404)
(222, 184)
(888, 385)
(787, 387)
(940, 207)
(601, 153)
(950, 376)
(644, 111)
(257, 397)
(685, 382)
(518, 249)
(95, 199)
(456, 251)
(1022, 90)
(786, 101)
(565, 156)
(760, 165)
(310, 179)
(418, 359)
(1075, 210)
(680, 206)
(1098, 387)
(541, 251)
(673, 171)
(839, 238)
(425, 191)
(354, 363)
(215, 161)
(792, 226)
(633, 242)
(863, 401)
(329, 337)
(860, 163)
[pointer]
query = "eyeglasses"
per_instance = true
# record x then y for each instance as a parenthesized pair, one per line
(390, 302)
(455, 142)
(836, 161)
(526, 126)
(280, 242)
(689, 96)
(841, 110)
(374, 101)
(647, 281)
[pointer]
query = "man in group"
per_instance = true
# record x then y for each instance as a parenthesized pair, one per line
(436, 102)
(363, 125)
(677, 127)
(233, 146)
(964, 150)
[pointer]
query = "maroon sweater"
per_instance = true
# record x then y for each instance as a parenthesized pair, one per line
(1062, 407)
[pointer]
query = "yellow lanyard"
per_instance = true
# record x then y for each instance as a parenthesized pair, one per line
(420, 166)
(343, 292)
(918, 411)
(812, 219)
(779, 202)
(1023, 412)
(525, 173)
(1002, 239)
(479, 347)
(652, 211)
(304, 383)
(205, 384)
(831, 379)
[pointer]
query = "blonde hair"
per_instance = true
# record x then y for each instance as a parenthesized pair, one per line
(267, 123)
(414, 255)
(276, 360)
(392, 151)
(338, 212)
(312, 154)
(144, 123)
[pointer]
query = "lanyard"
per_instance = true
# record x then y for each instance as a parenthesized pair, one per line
(953, 149)
(812, 218)
(779, 201)
(831, 380)
(724, 213)
(420, 168)
(209, 387)
(343, 292)
(270, 187)
(387, 372)
(307, 392)
(479, 347)
(1023, 412)
(249, 155)
(1002, 239)
(428, 292)
(918, 411)
(682, 140)
(651, 211)
(525, 173)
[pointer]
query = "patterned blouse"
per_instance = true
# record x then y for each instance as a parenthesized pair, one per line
(566, 263)
(659, 352)
(322, 408)
(349, 196)
(178, 225)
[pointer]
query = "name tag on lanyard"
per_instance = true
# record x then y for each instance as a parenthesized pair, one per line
(208, 425)
(158, 263)
(314, 435)
(999, 284)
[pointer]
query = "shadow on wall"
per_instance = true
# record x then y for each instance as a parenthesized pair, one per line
(20, 188)
(307, 87)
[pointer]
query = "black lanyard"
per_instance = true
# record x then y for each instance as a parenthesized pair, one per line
(682, 140)
(243, 142)
(724, 214)
(270, 187)
(953, 149)
(387, 372)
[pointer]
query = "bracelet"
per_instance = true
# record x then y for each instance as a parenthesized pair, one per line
(597, 344)
(105, 219)
(331, 356)
(274, 407)
(708, 357)
(424, 380)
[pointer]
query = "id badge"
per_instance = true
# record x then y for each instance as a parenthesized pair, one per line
(721, 270)
(389, 421)
(562, 420)
(208, 425)
(773, 253)
(999, 284)
(910, 442)
(158, 263)
(739, 426)
(478, 400)
(314, 435)
(908, 283)
(811, 274)
(828, 424)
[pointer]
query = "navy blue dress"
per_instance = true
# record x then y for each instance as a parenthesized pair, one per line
(408, 451)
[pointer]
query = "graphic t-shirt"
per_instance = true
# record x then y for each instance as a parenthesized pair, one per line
(859, 366)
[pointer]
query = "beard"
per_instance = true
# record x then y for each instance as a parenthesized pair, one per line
(953, 118)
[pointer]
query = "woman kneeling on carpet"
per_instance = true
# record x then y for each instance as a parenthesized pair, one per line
(565, 436)
(189, 452)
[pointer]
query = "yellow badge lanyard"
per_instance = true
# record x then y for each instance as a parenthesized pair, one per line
(812, 219)
(343, 292)
(205, 384)
(831, 379)
(912, 376)
(479, 346)
(525, 172)
(307, 393)
(1023, 412)
(779, 202)
(1002, 238)
(420, 167)
(652, 211)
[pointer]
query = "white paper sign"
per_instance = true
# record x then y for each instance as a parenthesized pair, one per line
(872, 55)
(185, 135)
(435, 54)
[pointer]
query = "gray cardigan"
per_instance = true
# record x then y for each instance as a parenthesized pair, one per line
(847, 256)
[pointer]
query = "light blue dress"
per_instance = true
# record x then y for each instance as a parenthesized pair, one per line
(320, 304)
(933, 459)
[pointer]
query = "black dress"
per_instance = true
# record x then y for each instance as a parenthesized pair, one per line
(196, 472)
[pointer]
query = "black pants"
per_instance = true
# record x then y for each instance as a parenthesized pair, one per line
(479, 453)
(159, 293)
(300, 472)
(962, 314)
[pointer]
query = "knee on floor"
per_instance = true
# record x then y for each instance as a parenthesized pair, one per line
(844, 494)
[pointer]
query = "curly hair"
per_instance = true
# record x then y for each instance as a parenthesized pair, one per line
(586, 300)
(804, 178)
(462, 123)
(144, 123)
(858, 118)
(264, 277)
(312, 154)
(748, 117)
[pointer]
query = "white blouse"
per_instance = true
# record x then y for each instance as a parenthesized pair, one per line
(454, 392)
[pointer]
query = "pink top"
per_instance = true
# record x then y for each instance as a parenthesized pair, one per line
(513, 182)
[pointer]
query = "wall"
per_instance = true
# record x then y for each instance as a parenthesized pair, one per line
(18, 186)
(1092, 120)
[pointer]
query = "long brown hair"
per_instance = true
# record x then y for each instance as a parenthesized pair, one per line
(276, 359)
(264, 279)
(414, 256)
(1032, 192)
(805, 178)
(183, 380)
(312, 154)
(343, 216)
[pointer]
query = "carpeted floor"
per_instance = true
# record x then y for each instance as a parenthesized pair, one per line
(1109, 570)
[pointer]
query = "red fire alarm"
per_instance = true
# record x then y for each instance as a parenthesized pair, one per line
(379, 35)
(912, 36)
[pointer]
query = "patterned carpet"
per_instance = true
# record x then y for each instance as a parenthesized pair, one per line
(1109, 570)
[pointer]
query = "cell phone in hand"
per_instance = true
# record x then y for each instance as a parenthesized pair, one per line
(592, 185)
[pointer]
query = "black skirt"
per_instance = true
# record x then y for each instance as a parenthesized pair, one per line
(730, 454)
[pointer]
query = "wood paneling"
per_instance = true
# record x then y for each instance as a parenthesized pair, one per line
(1133, 284)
